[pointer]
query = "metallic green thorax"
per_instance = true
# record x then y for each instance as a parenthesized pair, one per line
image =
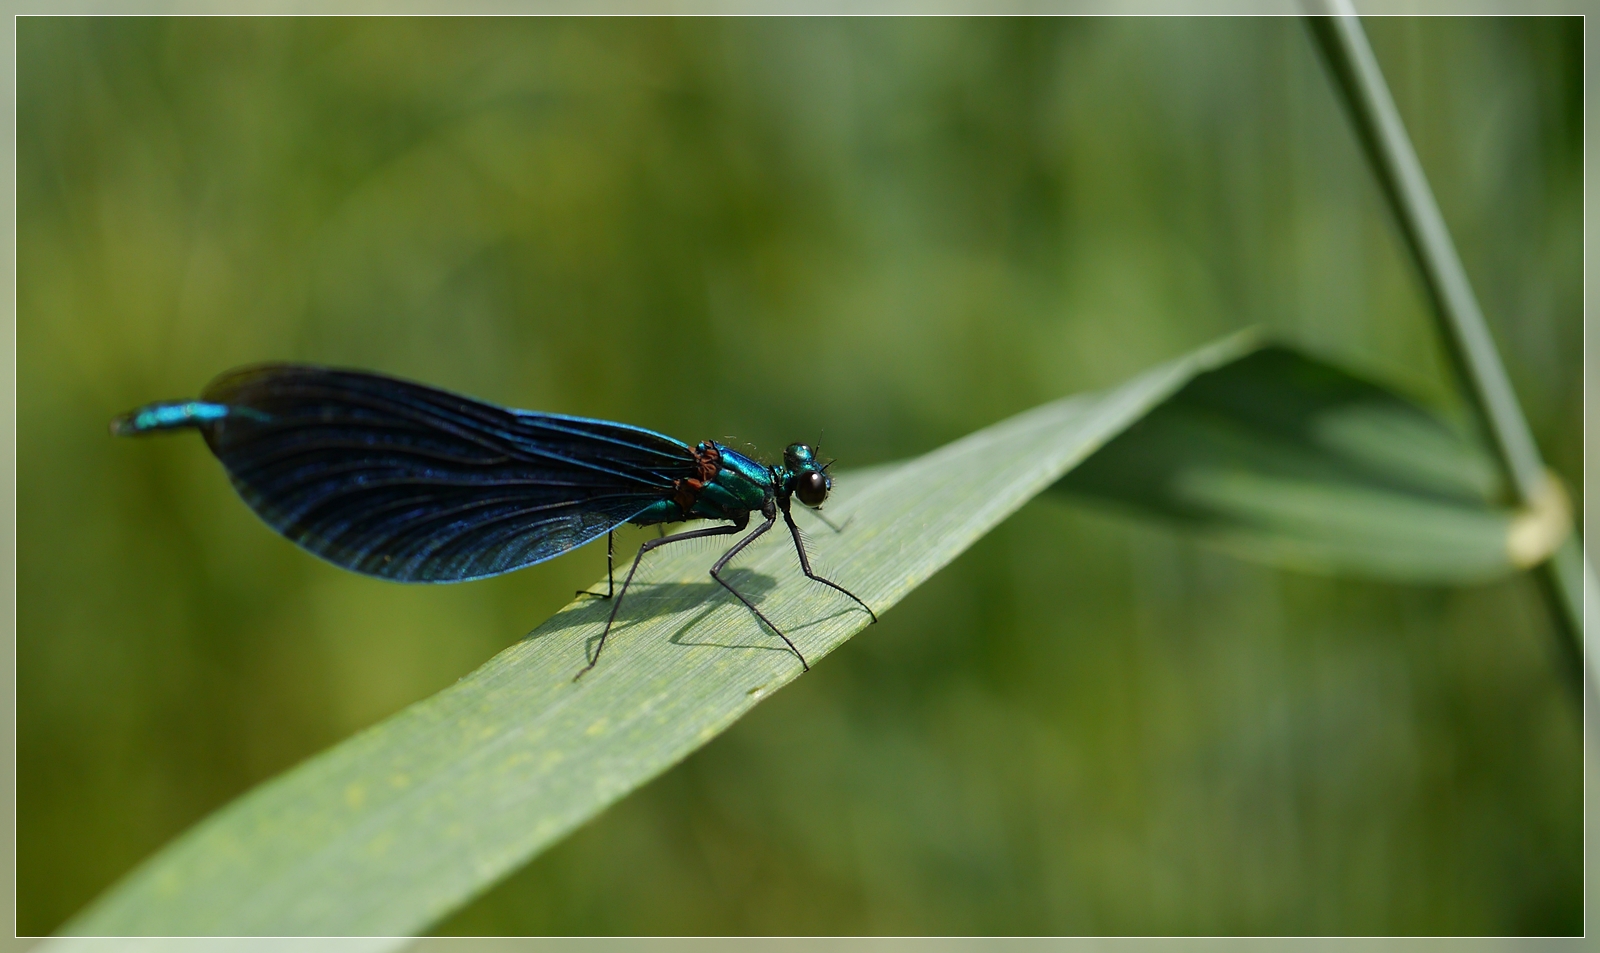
(731, 485)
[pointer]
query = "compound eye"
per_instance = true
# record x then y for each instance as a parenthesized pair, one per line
(812, 488)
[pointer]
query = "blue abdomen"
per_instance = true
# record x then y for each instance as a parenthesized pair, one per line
(167, 415)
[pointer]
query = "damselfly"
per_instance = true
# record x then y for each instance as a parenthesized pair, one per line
(410, 483)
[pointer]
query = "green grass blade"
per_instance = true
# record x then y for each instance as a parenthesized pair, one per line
(1470, 345)
(397, 826)
(1287, 460)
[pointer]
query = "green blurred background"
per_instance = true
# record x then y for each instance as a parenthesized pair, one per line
(890, 232)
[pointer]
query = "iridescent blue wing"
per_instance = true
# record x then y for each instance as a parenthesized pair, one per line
(411, 483)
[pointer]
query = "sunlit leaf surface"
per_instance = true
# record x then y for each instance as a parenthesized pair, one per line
(389, 831)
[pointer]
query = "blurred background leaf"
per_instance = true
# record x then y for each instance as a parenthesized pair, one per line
(1287, 460)
(893, 232)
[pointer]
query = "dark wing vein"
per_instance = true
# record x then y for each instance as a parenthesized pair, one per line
(411, 483)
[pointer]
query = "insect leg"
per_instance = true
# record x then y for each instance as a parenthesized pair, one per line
(611, 579)
(649, 545)
(716, 572)
(805, 565)
(830, 523)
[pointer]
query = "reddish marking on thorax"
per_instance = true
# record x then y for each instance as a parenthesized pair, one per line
(708, 460)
